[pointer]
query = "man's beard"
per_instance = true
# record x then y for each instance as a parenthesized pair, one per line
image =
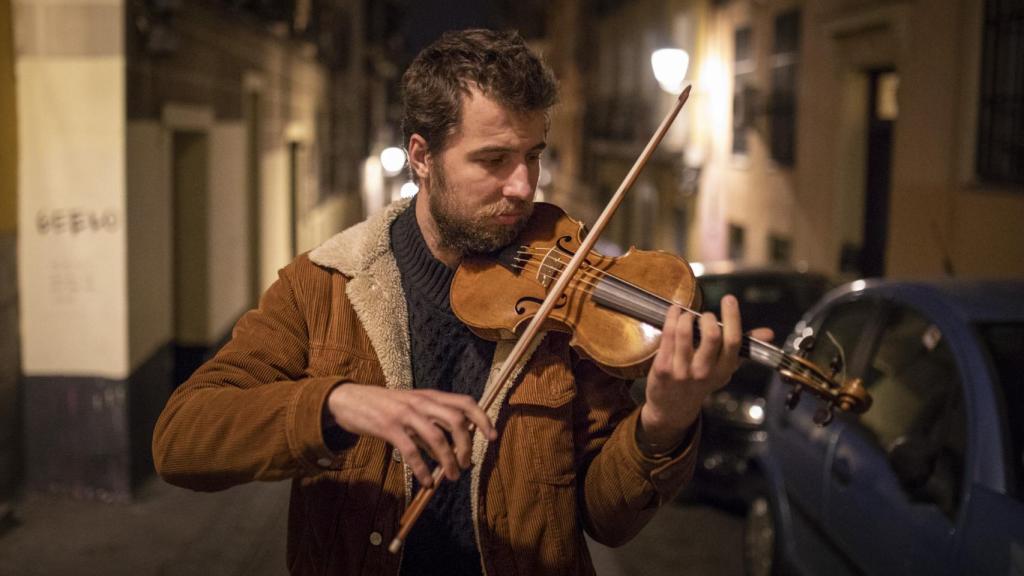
(473, 233)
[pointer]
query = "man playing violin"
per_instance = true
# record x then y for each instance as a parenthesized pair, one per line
(353, 378)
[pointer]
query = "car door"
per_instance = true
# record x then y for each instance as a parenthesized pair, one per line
(894, 482)
(993, 531)
(801, 448)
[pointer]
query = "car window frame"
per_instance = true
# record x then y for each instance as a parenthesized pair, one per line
(888, 306)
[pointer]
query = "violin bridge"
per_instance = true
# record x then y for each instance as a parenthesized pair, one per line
(550, 267)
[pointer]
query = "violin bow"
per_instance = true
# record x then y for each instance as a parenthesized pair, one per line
(419, 503)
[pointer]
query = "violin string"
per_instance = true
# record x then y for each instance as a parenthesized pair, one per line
(774, 354)
(777, 357)
(618, 291)
(591, 276)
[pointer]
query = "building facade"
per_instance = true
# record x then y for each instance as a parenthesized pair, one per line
(172, 156)
(854, 137)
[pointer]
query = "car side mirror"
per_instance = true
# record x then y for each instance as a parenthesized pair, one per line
(912, 458)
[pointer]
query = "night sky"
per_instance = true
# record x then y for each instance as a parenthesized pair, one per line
(425, 20)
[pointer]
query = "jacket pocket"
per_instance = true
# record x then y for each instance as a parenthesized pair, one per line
(541, 421)
(349, 366)
(346, 363)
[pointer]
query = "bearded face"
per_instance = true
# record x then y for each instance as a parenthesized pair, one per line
(480, 231)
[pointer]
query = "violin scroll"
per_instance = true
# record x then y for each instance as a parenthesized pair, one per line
(846, 395)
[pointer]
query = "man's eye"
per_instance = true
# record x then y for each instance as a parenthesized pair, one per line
(492, 160)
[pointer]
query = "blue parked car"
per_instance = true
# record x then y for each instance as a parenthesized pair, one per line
(930, 480)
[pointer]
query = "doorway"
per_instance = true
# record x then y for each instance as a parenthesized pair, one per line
(254, 126)
(882, 112)
(190, 231)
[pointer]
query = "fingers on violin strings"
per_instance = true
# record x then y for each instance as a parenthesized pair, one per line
(682, 356)
(732, 331)
(663, 359)
(763, 334)
(705, 359)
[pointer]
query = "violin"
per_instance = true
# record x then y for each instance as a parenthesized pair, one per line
(613, 307)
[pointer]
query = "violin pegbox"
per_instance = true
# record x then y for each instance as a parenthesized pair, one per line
(833, 388)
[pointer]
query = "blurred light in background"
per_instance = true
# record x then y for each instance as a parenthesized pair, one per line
(670, 66)
(392, 160)
(545, 178)
(755, 413)
(408, 190)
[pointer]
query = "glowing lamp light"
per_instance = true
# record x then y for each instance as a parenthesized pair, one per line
(670, 66)
(392, 160)
(408, 190)
(755, 413)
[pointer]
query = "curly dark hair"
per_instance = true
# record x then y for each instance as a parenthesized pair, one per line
(498, 63)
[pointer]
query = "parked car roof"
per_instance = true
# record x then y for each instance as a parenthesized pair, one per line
(974, 300)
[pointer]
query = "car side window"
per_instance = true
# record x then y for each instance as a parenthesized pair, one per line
(846, 325)
(917, 416)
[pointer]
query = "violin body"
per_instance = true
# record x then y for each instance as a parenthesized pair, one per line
(614, 308)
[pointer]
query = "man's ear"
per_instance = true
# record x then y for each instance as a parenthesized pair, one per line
(419, 157)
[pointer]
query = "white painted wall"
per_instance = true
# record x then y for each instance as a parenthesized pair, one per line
(275, 241)
(72, 262)
(228, 229)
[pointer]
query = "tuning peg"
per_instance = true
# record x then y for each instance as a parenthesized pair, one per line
(823, 415)
(836, 363)
(793, 398)
(805, 343)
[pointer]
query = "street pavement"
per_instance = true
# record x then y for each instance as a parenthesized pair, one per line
(168, 531)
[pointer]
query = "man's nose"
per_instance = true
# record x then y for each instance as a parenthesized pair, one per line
(519, 184)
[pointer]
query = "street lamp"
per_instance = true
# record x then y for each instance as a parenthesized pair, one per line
(670, 66)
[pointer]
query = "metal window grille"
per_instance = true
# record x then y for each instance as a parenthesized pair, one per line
(780, 249)
(1000, 146)
(743, 88)
(737, 242)
(784, 73)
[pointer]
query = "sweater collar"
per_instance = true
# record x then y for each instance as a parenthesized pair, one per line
(421, 271)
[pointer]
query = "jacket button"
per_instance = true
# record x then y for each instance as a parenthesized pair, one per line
(396, 455)
(376, 538)
(324, 462)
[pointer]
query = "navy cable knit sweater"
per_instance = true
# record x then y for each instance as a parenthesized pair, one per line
(446, 356)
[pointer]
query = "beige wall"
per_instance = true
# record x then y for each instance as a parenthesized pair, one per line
(747, 190)
(936, 206)
(938, 201)
(228, 229)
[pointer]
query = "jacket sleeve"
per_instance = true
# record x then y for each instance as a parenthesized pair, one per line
(621, 487)
(249, 413)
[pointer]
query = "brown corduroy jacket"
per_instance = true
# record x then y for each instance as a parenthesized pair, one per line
(566, 459)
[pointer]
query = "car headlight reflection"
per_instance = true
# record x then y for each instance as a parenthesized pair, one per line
(755, 413)
(743, 410)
